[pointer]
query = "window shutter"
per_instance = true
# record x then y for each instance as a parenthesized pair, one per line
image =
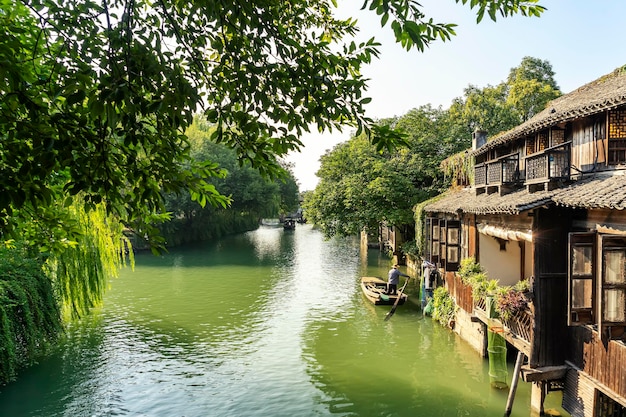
(611, 285)
(453, 245)
(434, 239)
(582, 270)
(442, 242)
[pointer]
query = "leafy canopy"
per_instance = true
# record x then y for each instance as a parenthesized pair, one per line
(102, 92)
(360, 187)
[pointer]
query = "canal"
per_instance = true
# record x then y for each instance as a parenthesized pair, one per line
(267, 323)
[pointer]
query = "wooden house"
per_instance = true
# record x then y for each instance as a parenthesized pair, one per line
(548, 204)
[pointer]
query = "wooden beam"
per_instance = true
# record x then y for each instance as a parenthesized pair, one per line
(519, 344)
(546, 373)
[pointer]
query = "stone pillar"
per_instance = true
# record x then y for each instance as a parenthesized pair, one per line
(537, 396)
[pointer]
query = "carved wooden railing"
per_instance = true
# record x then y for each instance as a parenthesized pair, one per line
(549, 164)
(521, 324)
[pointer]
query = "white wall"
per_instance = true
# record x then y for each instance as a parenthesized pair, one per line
(501, 265)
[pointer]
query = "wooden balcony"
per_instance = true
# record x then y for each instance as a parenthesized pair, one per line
(498, 175)
(548, 167)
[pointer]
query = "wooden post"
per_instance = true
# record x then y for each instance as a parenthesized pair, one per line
(518, 366)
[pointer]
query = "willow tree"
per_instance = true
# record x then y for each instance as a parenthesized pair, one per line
(29, 313)
(80, 272)
(41, 288)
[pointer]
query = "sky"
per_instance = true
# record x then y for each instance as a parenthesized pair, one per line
(581, 39)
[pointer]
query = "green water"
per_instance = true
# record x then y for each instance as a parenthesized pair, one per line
(269, 323)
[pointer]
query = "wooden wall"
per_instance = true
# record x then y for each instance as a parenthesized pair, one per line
(550, 286)
(604, 363)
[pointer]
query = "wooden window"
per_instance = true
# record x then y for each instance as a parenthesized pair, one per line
(557, 136)
(597, 282)
(530, 146)
(581, 282)
(613, 283)
(617, 137)
(453, 244)
(542, 140)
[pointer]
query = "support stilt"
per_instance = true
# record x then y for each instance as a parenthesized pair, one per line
(518, 365)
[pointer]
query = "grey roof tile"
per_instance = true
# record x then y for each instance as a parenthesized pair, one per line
(600, 191)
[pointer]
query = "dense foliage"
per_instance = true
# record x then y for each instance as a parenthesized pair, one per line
(29, 314)
(361, 187)
(251, 196)
(443, 307)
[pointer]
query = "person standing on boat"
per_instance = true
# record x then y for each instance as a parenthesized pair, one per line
(394, 279)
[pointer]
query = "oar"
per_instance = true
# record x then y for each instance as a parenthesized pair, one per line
(395, 305)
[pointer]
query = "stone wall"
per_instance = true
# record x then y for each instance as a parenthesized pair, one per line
(475, 333)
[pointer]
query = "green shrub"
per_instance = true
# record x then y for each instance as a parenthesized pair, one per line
(444, 307)
(472, 274)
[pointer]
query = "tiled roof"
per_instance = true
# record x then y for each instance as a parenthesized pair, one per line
(605, 93)
(466, 201)
(594, 192)
(598, 192)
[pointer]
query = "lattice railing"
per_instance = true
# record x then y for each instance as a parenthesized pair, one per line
(553, 163)
(521, 324)
(480, 175)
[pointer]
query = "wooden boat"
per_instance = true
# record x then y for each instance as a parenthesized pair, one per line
(289, 223)
(375, 290)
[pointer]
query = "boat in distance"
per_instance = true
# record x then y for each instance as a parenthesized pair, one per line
(375, 290)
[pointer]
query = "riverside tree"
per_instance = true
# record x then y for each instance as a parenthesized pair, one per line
(361, 188)
(104, 90)
(251, 196)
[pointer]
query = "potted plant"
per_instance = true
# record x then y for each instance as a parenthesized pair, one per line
(509, 302)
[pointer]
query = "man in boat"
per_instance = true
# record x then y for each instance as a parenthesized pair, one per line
(394, 279)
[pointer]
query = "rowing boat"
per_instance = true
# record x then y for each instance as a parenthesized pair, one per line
(375, 290)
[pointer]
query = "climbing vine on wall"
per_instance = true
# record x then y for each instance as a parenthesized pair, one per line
(459, 169)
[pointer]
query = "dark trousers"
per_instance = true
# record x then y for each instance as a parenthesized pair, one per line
(392, 288)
